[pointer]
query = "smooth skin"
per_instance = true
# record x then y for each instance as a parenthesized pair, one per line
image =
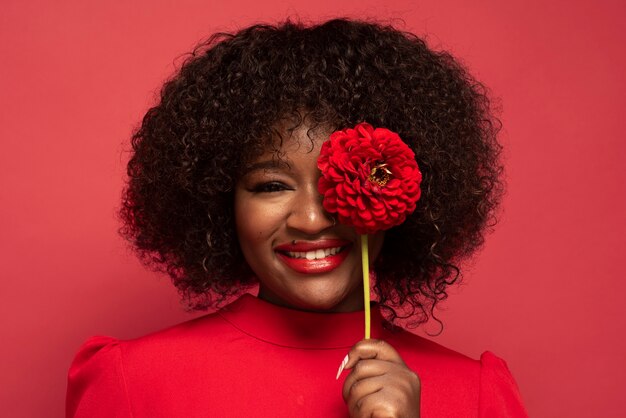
(276, 202)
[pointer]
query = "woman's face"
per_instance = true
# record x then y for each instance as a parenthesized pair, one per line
(301, 258)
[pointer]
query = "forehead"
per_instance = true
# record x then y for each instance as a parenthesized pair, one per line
(290, 142)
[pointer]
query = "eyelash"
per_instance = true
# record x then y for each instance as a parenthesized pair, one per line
(270, 187)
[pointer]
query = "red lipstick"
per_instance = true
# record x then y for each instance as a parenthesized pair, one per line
(314, 257)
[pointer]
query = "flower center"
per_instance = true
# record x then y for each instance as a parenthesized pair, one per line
(380, 174)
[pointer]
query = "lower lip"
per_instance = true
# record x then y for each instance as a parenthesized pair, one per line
(318, 266)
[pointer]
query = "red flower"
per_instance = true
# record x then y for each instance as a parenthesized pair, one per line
(369, 178)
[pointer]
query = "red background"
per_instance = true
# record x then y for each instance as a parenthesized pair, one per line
(545, 294)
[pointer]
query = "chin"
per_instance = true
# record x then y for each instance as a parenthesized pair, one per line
(330, 303)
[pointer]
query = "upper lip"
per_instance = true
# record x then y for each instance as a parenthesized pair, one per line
(303, 246)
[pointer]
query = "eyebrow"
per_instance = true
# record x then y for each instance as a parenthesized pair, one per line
(265, 165)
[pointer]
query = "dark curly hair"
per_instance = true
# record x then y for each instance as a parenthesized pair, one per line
(222, 107)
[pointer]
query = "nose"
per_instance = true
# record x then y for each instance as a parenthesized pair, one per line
(307, 215)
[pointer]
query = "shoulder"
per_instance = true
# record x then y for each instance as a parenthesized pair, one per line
(499, 394)
(96, 378)
(485, 384)
(107, 374)
(206, 331)
(428, 352)
(437, 366)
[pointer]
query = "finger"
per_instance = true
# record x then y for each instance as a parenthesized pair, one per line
(364, 369)
(372, 349)
(387, 401)
(371, 406)
(355, 393)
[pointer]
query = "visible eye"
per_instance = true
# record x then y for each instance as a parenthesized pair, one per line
(270, 187)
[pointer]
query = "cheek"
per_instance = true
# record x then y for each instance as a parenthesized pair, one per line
(256, 222)
(248, 230)
(246, 222)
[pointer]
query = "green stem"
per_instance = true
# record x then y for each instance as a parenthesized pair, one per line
(366, 284)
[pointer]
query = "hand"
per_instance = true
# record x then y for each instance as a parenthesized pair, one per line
(380, 384)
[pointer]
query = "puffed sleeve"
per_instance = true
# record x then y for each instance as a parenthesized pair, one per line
(499, 396)
(96, 385)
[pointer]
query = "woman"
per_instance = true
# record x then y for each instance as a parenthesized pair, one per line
(223, 194)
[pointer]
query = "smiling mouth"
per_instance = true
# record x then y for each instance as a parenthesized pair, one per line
(314, 257)
(315, 254)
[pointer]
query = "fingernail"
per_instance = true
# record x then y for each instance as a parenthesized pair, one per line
(343, 364)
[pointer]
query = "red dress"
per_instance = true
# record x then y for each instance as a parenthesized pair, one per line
(255, 359)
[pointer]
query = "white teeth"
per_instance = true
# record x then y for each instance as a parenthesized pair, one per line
(316, 254)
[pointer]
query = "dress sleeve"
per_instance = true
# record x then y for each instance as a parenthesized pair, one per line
(499, 395)
(96, 385)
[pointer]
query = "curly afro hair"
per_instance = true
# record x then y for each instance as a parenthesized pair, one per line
(222, 108)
